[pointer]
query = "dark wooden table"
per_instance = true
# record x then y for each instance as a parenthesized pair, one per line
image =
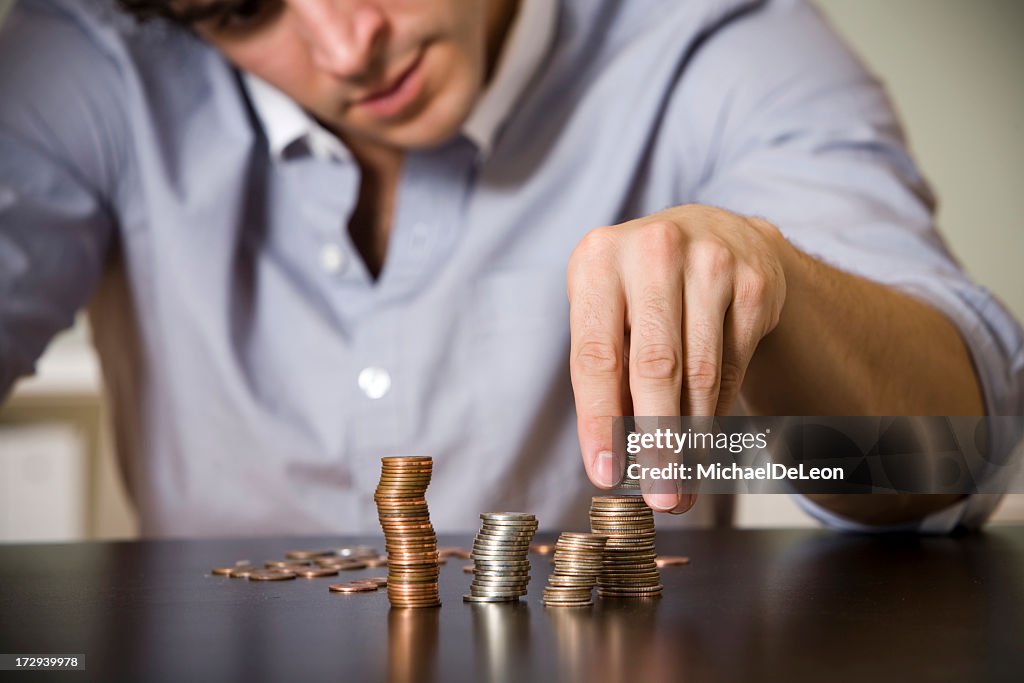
(752, 605)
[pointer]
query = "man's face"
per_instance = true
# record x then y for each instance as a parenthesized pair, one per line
(401, 73)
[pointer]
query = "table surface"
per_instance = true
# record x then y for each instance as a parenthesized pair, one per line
(752, 605)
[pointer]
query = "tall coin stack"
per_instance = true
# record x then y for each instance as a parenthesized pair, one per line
(501, 562)
(409, 537)
(630, 561)
(578, 562)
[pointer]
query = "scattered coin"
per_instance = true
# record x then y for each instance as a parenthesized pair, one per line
(351, 588)
(542, 548)
(285, 564)
(314, 572)
(671, 560)
(629, 568)
(222, 571)
(307, 554)
(379, 582)
(271, 575)
(242, 572)
(352, 565)
(358, 552)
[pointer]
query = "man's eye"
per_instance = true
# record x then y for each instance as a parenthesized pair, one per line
(246, 14)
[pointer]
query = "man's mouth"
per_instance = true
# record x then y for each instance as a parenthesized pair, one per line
(393, 97)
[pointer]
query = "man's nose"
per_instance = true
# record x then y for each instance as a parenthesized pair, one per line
(343, 35)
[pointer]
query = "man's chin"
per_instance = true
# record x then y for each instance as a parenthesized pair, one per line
(431, 127)
(409, 138)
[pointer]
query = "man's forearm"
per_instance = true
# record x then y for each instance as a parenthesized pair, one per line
(848, 346)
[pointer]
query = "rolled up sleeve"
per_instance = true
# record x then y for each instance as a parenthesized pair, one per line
(805, 137)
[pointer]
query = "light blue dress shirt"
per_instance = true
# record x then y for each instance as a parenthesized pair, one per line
(257, 372)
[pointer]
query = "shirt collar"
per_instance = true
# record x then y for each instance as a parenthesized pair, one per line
(525, 47)
(286, 123)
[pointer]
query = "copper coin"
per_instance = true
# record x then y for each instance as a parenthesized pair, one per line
(315, 572)
(242, 572)
(672, 560)
(307, 554)
(285, 564)
(351, 588)
(271, 575)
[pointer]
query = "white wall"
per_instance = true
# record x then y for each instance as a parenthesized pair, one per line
(953, 68)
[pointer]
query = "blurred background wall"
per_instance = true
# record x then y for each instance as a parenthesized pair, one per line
(953, 70)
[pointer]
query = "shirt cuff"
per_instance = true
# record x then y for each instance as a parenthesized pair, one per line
(969, 513)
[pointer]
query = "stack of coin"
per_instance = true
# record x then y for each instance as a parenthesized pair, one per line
(408, 534)
(630, 567)
(501, 562)
(629, 482)
(578, 562)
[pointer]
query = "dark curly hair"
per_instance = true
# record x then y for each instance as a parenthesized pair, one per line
(143, 10)
(148, 9)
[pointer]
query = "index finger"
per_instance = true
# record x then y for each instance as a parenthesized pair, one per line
(596, 330)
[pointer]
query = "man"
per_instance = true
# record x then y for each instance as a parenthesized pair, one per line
(315, 232)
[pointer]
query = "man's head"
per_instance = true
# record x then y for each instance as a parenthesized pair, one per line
(401, 73)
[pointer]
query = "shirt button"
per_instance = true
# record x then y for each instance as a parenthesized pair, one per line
(375, 382)
(332, 258)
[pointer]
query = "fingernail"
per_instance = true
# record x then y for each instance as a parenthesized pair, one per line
(605, 470)
(663, 502)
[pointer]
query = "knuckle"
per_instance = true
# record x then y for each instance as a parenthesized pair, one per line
(598, 358)
(661, 244)
(702, 377)
(598, 243)
(662, 234)
(712, 257)
(658, 362)
(595, 252)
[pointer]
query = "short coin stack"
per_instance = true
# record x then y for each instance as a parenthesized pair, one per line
(578, 562)
(501, 563)
(409, 537)
(630, 567)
